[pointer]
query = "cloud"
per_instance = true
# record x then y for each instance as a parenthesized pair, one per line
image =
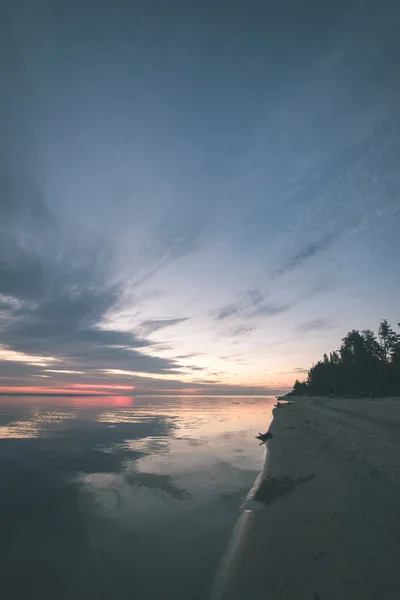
(244, 302)
(237, 358)
(304, 254)
(158, 482)
(152, 325)
(207, 381)
(173, 241)
(56, 291)
(227, 311)
(330, 161)
(270, 309)
(293, 371)
(313, 325)
(240, 330)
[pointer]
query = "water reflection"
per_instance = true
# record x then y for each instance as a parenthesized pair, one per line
(106, 497)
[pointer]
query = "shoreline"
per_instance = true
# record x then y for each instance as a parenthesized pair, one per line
(230, 563)
(325, 514)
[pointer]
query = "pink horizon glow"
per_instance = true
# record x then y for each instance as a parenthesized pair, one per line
(102, 386)
(74, 389)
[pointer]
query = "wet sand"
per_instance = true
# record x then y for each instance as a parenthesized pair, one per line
(325, 518)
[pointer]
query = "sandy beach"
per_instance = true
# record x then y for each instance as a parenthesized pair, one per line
(325, 523)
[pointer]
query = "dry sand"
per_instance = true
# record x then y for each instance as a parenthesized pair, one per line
(327, 520)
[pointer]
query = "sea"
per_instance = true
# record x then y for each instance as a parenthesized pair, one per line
(123, 497)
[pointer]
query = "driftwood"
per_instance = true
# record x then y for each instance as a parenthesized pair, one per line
(264, 436)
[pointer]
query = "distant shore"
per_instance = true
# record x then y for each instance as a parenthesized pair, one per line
(326, 511)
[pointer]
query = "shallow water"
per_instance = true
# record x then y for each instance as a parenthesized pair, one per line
(122, 497)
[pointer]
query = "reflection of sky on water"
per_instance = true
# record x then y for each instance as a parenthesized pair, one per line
(109, 499)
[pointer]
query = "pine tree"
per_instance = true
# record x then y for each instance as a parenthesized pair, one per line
(364, 365)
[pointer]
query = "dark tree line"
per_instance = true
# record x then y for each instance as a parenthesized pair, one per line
(364, 365)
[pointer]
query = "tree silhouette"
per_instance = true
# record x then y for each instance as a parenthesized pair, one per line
(299, 388)
(364, 365)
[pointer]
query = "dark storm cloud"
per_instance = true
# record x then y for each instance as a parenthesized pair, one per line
(314, 325)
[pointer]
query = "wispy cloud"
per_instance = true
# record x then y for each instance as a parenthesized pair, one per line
(56, 294)
(242, 305)
(81, 229)
(251, 310)
(253, 304)
(173, 239)
(152, 325)
(314, 325)
(307, 252)
(298, 370)
(270, 309)
(228, 310)
(240, 330)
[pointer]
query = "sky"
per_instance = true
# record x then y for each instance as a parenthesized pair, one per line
(195, 197)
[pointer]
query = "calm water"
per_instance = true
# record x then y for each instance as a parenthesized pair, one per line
(122, 497)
